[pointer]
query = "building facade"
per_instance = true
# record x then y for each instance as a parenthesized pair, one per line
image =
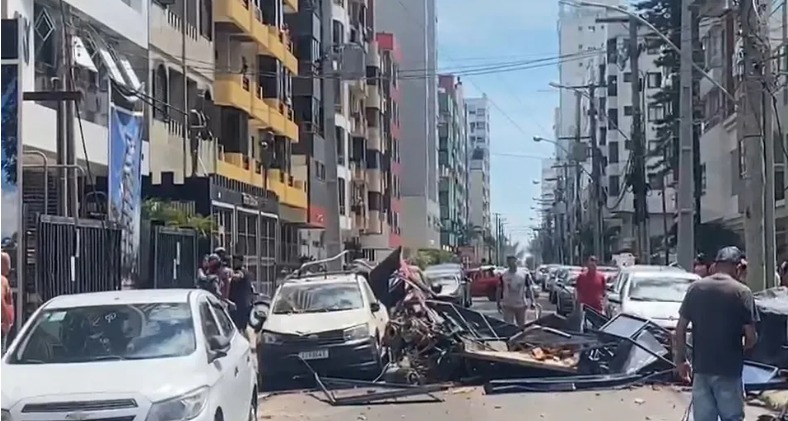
(452, 162)
(479, 212)
(413, 23)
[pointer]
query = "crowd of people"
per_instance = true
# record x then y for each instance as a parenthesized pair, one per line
(227, 278)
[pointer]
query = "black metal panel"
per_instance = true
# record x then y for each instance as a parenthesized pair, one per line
(174, 257)
(76, 256)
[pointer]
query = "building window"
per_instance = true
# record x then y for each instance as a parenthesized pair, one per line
(342, 206)
(612, 152)
(613, 187)
(612, 118)
(627, 77)
(612, 85)
(628, 145)
(628, 110)
(655, 113)
(654, 80)
(602, 136)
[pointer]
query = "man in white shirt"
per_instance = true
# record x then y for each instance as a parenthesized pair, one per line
(512, 293)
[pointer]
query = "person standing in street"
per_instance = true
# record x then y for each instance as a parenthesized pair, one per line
(721, 310)
(590, 287)
(7, 300)
(511, 293)
(240, 293)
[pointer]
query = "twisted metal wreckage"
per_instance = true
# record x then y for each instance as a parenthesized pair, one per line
(432, 344)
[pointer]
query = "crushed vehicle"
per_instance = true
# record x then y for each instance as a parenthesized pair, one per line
(332, 321)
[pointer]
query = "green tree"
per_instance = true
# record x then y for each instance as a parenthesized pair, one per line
(176, 216)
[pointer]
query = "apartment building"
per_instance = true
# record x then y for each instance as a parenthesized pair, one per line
(611, 71)
(414, 23)
(352, 23)
(310, 154)
(722, 158)
(479, 214)
(384, 230)
(452, 162)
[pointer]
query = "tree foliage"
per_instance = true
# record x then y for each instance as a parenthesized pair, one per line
(176, 216)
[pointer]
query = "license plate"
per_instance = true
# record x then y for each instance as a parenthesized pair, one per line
(318, 354)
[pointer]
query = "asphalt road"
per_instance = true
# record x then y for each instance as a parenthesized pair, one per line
(488, 308)
(646, 403)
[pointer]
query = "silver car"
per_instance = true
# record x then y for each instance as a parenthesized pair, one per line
(653, 292)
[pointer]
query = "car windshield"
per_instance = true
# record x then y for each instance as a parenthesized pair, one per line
(659, 288)
(443, 279)
(318, 298)
(107, 333)
(572, 281)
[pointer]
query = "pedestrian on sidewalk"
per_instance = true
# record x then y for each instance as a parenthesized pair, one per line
(721, 310)
(590, 287)
(511, 293)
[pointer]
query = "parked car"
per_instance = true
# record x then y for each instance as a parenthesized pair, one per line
(565, 295)
(161, 354)
(333, 322)
(484, 282)
(652, 292)
(562, 275)
(450, 283)
(609, 272)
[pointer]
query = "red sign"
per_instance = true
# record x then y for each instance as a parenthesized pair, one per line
(317, 216)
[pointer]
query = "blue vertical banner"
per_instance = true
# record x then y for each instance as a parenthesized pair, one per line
(125, 185)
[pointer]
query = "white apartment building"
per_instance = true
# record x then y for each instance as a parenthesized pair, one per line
(722, 199)
(580, 38)
(110, 43)
(478, 120)
(340, 34)
(414, 25)
(615, 113)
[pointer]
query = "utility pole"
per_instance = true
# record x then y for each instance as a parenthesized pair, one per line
(596, 203)
(185, 71)
(333, 233)
(749, 131)
(665, 211)
(685, 248)
(638, 148)
(769, 219)
(575, 201)
(66, 115)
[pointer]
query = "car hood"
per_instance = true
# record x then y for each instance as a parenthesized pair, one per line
(156, 380)
(306, 323)
(663, 313)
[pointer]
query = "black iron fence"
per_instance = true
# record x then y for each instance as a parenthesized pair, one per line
(75, 256)
(168, 256)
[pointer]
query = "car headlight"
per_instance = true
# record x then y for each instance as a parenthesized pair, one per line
(6, 415)
(185, 407)
(272, 338)
(356, 332)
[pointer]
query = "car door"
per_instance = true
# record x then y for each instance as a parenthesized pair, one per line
(380, 317)
(239, 360)
(222, 389)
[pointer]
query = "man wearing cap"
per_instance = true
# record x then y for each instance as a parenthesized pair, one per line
(721, 311)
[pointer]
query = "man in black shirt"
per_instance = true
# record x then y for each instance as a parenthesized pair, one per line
(721, 311)
(240, 293)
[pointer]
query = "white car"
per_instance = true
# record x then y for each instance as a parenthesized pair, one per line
(332, 322)
(154, 355)
(653, 292)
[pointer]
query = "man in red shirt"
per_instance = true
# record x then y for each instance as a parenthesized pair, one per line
(590, 286)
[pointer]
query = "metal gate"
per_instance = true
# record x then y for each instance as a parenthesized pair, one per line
(174, 259)
(75, 256)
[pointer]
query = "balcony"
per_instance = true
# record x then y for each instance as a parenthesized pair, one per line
(373, 97)
(236, 13)
(239, 167)
(291, 192)
(281, 119)
(233, 90)
(260, 109)
(374, 182)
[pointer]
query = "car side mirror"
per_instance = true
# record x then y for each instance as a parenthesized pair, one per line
(437, 288)
(375, 307)
(218, 346)
(258, 316)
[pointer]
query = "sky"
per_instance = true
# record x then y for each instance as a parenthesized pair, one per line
(475, 36)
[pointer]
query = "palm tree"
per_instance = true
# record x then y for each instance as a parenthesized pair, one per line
(468, 233)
